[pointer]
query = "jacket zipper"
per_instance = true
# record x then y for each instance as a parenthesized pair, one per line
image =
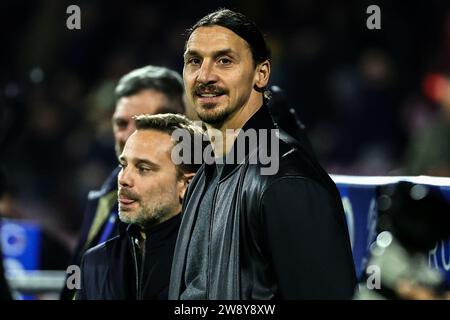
(140, 297)
(211, 222)
(136, 271)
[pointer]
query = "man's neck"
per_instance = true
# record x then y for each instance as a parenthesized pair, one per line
(229, 129)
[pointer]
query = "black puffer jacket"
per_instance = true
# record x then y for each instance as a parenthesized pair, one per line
(281, 236)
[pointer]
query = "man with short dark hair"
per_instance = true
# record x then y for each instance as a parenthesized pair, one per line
(147, 90)
(135, 265)
(247, 233)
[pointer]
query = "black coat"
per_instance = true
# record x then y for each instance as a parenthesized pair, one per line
(115, 270)
(91, 214)
(281, 236)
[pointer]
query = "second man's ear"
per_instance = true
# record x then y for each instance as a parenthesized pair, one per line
(262, 74)
(187, 177)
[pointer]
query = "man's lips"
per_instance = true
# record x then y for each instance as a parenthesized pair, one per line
(126, 198)
(126, 201)
(207, 98)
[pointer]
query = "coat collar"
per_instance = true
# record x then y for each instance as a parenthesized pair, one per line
(158, 232)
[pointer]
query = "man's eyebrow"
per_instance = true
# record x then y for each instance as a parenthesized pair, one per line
(223, 52)
(119, 119)
(138, 161)
(216, 54)
(189, 52)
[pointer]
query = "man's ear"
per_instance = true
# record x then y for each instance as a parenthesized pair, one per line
(186, 179)
(262, 74)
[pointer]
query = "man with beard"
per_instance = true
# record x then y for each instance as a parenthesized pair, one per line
(135, 265)
(147, 90)
(245, 234)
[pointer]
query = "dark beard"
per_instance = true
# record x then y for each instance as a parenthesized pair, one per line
(214, 118)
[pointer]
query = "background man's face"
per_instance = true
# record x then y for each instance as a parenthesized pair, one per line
(218, 73)
(149, 190)
(147, 101)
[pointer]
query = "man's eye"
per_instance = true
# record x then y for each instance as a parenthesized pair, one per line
(224, 61)
(143, 169)
(121, 123)
(193, 61)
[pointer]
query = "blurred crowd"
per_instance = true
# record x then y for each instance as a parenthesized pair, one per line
(374, 102)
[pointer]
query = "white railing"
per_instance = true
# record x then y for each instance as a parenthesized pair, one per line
(46, 282)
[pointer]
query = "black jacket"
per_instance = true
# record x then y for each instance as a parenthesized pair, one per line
(281, 236)
(115, 270)
(100, 206)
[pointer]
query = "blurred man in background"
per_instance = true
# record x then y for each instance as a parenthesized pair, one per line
(428, 152)
(136, 264)
(148, 90)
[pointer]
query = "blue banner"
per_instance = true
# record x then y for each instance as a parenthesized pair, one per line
(359, 199)
(21, 245)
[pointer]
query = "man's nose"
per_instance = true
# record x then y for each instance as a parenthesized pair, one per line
(125, 178)
(206, 73)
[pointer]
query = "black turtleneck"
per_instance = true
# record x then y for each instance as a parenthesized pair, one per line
(115, 270)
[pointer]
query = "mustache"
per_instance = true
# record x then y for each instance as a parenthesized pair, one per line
(125, 193)
(202, 88)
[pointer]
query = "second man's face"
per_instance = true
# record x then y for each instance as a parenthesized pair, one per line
(149, 187)
(147, 101)
(218, 73)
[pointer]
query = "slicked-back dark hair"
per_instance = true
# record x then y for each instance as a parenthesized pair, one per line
(240, 25)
